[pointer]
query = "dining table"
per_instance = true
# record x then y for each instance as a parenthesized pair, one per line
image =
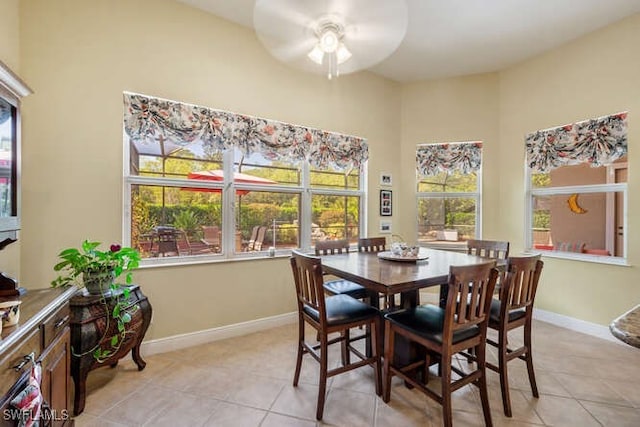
(383, 274)
(397, 275)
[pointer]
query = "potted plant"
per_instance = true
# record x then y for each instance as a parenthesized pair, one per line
(99, 271)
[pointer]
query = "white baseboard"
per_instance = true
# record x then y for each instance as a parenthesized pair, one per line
(577, 325)
(179, 342)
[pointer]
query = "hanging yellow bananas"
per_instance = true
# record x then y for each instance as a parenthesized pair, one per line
(572, 201)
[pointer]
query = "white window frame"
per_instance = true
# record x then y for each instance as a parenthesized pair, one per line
(531, 192)
(477, 196)
(228, 227)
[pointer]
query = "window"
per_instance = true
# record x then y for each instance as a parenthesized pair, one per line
(203, 184)
(449, 192)
(577, 190)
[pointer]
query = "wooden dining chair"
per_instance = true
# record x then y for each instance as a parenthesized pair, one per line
(339, 286)
(514, 310)
(372, 244)
(330, 315)
(488, 248)
(377, 244)
(443, 332)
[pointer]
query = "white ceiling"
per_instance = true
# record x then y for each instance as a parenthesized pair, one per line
(458, 37)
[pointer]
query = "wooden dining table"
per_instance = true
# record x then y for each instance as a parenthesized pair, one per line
(384, 277)
(387, 278)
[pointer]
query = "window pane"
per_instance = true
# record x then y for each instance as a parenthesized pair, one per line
(449, 182)
(446, 218)
(334, 178)
(266, 171)
(165, 159)
(584, 223)
(582, 174)
(7, 157)
(273, 216)
(335, 217)
(170, 221)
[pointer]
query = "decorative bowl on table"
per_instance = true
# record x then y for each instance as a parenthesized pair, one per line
(402, 252)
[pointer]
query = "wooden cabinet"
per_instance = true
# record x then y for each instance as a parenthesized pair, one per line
(92, 327)
(43, 336)
(56, 375)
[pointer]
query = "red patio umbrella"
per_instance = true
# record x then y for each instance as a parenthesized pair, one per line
(218, 175)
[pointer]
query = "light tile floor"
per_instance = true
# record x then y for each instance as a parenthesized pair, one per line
(247, 381)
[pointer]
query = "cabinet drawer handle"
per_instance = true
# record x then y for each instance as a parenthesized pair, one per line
(61, 322)
(26, 359)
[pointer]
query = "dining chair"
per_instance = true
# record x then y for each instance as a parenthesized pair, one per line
(443, 332)
(377, 244)
(488, 248)
(330, 315)
(514, 310)
(339, 286)
(372, 244)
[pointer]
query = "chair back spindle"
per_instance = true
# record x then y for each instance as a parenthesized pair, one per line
(469, 296)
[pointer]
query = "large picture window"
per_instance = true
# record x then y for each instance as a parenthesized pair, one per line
(449, 192)
(204, 184)
(577, 190)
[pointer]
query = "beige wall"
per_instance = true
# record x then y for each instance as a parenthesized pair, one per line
(451, 110)
(590, 77)
(9, 44)
(79, 56)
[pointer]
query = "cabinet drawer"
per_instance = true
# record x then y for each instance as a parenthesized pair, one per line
(30, 344)
(54, 325)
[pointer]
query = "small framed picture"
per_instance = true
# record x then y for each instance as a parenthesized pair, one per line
(385, 227)
(386, 204)
(386, 179)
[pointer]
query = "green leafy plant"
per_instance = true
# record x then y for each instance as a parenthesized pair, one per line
(88, 261)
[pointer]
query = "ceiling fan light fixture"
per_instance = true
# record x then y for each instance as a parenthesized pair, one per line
(316, 55)
(331, 37)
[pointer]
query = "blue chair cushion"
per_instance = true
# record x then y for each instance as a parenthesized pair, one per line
(343, 309)
(345, 287)
(494, 317)
(427, 321)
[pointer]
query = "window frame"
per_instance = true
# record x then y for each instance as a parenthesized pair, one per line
(477, 196)
(228, 227)
(531, 192)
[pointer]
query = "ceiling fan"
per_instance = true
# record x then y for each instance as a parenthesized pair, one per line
(331, 37)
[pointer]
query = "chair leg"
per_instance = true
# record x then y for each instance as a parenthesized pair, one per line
(378, 350)
(345, 352)
(388, 357)
(529, 360)
(322, 385)
(481, 354)
(504, 372)
(445, 364)
(296, 376)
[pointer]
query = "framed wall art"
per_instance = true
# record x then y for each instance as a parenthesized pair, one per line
(386, 206)
(386, 179)
(385, 226)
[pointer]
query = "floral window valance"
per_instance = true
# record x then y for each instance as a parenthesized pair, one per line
(596, 142)
(147, 118)
(464, 157)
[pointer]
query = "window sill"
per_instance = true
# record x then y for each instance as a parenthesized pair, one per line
(575, 256)
(208, 259)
